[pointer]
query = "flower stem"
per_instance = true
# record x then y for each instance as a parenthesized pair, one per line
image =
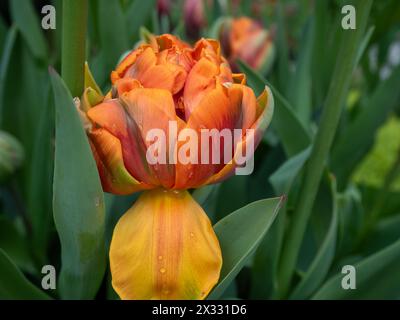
(74, 44)
(339, 87)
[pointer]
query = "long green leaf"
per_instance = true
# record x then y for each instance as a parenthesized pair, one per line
(137, 14)
(14, 285)
(239, 235)
(5, 62)
(377, 277)
(23, 14)
(78, 203)
(113, 36)
(322, 261)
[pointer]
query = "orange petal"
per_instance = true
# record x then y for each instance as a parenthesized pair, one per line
(111, 116)
(216, 111)
(126, 63)
(153, 109)
(108, 154)
(164, 247)
(152, 75)
(264, 113)
(199, 82)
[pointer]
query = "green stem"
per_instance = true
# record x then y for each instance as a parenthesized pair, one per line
(339, 87)
(74, 24)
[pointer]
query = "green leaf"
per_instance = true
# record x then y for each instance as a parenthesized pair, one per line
(5, 63)
(319, 267)
(41, 167)
(282, 179)
(239, 235)
(137, 14)
(14, 285)
(300, 89)
(113, 36)
(282, 49)
(23, 14)
(78, 203)
(386, 232)
(12, 241)
(377, 277)
(290, 129)
(362, 130)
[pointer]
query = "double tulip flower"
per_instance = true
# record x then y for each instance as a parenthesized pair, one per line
(164, 247)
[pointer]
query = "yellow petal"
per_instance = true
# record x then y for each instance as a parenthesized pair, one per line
(164, 247)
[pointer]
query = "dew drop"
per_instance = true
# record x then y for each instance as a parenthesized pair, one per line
(162, 270)
(97, 201)
(192, 234)
(159, 257)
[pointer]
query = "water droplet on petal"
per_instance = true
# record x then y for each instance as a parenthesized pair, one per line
(192, 234)
(162, 270)
(159, 257)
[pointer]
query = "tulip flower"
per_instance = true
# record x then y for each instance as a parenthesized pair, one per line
(245, 39)
(164, 247)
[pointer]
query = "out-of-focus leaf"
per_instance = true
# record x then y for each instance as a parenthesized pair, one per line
(12, 242)
(5, 62)
(3, 35)
(282, 49)
(377, 277)
(386, 232)
(290, 129)
(113, 36)
(350, 216)
(23, 14)
(14, 285)
(41, 167)
(321, 47)
(283, 178)
(300, 89)
(361, 132)
(137, 14)
(232, 195)
(239, 235)
(319, 267)
(78, 203)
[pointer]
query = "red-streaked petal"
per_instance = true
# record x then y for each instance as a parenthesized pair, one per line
(111, 116)
(265, 110)
(108, 154)
(154, 109)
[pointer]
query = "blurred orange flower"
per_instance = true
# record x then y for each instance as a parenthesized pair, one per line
(245, 39)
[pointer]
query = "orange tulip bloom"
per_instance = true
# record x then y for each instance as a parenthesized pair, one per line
(245, 39)
(164, 247)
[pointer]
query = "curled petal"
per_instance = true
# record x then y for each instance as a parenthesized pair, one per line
(153, 75)
(108, 154)
(265, 110)
(219, 112)
(164, 247)
(111, 116)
